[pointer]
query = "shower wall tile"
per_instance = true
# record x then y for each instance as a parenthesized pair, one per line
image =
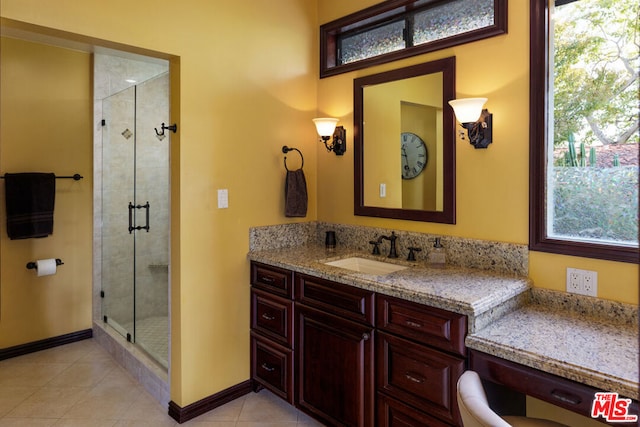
(114, 70)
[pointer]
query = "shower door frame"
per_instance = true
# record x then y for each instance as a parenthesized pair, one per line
(158, 266)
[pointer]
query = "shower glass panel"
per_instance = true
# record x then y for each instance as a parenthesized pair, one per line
(135, 219)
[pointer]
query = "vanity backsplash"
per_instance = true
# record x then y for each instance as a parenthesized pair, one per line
(500, 257)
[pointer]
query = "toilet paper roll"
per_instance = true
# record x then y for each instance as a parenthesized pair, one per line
(46, 267)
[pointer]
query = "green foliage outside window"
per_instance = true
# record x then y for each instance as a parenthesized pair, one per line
(596, 71)
(596, 87)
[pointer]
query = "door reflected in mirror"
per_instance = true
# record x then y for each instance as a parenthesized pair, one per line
(404, 143)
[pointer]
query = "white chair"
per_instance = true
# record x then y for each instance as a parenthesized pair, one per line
(475, 410)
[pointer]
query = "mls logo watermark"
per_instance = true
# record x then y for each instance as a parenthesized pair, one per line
(612, 408)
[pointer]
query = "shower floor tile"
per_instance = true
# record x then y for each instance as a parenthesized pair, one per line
(152, 334)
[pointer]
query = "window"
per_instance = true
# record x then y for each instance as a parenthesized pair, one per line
(397, 29)
(584, 131)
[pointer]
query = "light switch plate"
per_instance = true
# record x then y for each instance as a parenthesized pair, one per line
(223, 198)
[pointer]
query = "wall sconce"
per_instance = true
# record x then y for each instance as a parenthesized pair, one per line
(476, 120)
(327, 128)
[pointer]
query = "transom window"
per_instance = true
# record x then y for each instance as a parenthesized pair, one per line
(585, 128)
(400, 28)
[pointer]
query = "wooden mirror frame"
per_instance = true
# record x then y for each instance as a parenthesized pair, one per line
(445, 66)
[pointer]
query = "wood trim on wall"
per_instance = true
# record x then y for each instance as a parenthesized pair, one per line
(195, 409)
(32, 347)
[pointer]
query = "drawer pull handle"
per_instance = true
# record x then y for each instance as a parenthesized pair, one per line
(267, 279)
(413, 324)
(566, 397)
(267, 367)
(365, 336)
(414, 378)
(268, 317)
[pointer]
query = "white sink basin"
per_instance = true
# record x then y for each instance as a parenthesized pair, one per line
(364, 265)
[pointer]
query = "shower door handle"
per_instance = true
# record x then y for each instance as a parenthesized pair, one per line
(130, 217)
(139, 227)
(146, 206)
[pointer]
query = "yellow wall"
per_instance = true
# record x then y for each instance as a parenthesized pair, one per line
(492, 184)
(247, 86)
(45, 126)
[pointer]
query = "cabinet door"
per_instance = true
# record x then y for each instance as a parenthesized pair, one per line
(335, 368)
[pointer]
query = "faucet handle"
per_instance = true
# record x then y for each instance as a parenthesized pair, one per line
(376, 248)
(412, 255)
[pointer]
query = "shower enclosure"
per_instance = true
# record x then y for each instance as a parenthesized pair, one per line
(135, 214)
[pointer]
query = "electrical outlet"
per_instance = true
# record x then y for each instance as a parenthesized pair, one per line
(583, 282)
(590, 283)
(574, 281)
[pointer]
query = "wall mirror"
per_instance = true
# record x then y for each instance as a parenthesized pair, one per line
(404, 143)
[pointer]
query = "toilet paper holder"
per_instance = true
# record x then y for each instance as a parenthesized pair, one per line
(33, 266)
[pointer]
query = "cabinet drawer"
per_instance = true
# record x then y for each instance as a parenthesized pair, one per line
(272, 316)
(272, 279)
(419, 376)
(336, 298)
(392, 413)
(550, 388)
(272, 366)
(428, 325)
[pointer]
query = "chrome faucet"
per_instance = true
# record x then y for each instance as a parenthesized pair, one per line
(392, 250)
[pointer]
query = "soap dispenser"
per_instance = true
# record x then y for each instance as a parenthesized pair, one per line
(437, 256)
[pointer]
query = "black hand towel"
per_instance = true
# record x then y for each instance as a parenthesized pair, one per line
(295, 194)
(29, 198)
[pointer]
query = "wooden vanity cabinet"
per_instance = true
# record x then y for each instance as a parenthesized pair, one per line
(272, 330)
(334, 348)
(420, 355)
(338, 352)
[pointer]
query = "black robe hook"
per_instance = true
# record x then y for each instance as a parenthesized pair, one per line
(173, 128)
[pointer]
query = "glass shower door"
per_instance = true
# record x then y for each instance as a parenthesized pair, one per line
(152, 245)
(135, 219)
(118, 178)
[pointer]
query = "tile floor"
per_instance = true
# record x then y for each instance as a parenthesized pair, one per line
(80, 385)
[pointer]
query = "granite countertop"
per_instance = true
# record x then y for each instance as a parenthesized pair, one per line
(588, 340)
(594, 347)
(481, 295)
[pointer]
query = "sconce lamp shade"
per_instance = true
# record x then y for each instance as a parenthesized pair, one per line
(468, 110)
(477, 121)
(325, 126)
